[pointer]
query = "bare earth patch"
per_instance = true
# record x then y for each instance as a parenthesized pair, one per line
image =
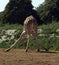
(20, 57)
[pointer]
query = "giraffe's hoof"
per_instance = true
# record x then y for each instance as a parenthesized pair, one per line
(38, 50)
(7, 50)
(26, 50)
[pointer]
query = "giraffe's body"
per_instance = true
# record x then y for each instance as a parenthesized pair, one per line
(29, 29)
(30, 25)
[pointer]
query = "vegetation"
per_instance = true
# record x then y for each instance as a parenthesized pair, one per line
(48, 42)
(49, 10)
(17, 10)
(15, 13)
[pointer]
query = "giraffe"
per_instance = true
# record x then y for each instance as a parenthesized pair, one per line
(29, 29)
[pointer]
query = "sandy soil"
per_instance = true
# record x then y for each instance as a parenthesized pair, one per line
(20, 57)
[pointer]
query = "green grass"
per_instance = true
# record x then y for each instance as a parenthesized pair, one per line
(10, 26)
(49, 28)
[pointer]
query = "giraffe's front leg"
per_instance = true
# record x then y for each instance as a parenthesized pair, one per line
(21, 39)
(22, 36)
(12, 45)
(27, 43)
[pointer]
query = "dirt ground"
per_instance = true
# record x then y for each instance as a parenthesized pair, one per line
(32, 57)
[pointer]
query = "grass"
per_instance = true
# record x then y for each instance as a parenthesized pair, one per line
(10, 26)
(50, 28)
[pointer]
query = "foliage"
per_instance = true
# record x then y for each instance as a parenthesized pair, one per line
(50, 41)
(47, 43)
(6, 44)
(50, 28)
(16, 11)
(49, 10)
(1, 16)
(10, 26)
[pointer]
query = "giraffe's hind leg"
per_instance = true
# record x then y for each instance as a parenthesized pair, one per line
(37, 41)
